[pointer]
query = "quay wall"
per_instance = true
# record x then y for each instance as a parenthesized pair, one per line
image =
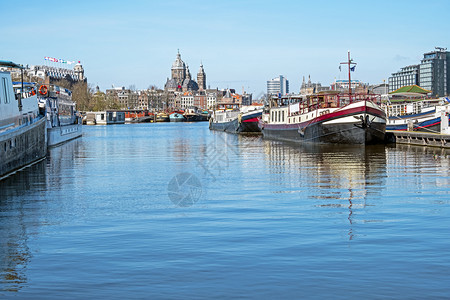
(418, 138)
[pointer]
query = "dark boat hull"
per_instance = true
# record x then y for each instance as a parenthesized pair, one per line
(195, 118)
(336, 128)
(162, 119)
(336, 134)
(22, 147)
(247, 124)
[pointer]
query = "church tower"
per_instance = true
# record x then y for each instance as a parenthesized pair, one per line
(188, 73)
(178, 69)
(201, 78)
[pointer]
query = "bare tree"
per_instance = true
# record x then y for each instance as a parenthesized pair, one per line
(82, 95)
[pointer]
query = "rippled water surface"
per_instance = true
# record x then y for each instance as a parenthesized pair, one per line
(175, 211)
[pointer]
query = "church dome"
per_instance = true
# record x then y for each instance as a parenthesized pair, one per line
(178, 63)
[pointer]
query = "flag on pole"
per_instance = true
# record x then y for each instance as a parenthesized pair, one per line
(353, 68)
(60, 60)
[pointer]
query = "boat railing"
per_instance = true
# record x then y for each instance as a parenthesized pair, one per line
(325, 101)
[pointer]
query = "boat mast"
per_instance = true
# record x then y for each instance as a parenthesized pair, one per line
(349, 62)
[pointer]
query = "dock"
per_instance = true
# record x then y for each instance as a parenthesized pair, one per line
(418, 138)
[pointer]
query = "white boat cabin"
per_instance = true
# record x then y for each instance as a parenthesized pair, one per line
(17, 107)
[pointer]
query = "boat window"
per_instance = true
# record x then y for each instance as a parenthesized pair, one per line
(5, 91)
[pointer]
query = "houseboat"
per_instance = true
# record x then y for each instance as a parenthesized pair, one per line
(22, 128)
(139, 116)
(326, 117)
(162, 117)
(104, 117)
(193, 114)
(63, 121)
(235, 119)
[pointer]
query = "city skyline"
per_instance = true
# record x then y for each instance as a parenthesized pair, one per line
(241, 44)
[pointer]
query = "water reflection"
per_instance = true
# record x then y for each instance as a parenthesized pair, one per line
(423, 167)
(19, 220)
(330, 176)
(24, 202)
(61, 160)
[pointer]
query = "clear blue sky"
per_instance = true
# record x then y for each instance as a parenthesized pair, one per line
(241, 43)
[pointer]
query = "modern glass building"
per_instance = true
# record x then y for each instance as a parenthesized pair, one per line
(434, 72)
(278, 85)
(431, 74)
(408, 75)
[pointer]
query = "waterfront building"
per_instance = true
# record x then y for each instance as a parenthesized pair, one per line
(143, 97)
(309, 88)
(408, 75)
(228, 98)
(181, 79)
(431, 74)
(434, 72)
(126, 98)
(50, 75)
(379, 89)
(211, 100)
(247, 99)
(342, 85)
(231, 97)
(200, 99)
(187, 100)
(278, 85)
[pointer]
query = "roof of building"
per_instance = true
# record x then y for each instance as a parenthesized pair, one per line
(410, 89)
(171, 84)
(190, 84)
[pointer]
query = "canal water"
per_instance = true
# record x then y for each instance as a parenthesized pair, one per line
(174, 211)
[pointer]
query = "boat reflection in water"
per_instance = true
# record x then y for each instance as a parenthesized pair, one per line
(25, 207)
(19, 219)
(338, 179)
